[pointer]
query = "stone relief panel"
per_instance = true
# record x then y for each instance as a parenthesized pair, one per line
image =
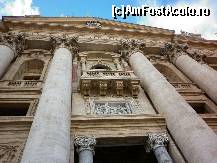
(101, 108)
(111, 106)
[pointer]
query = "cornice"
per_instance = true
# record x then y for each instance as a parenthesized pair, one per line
(68, 23)
(191, 40)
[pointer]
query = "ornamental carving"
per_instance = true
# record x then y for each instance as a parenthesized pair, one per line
(155, 140)
(127, 47)
(95, 24)
(14, 41)
(8, 153)
(172, 51)
(84, 143)
(65, 41)
(112, 108)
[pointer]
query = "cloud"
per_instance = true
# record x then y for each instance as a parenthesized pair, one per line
(204, 25)
(18, 8)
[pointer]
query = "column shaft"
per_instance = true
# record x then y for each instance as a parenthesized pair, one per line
(49, 137)
(194, 137)
(203, 75)
(6, 56)
(162, 155)
(86, 156)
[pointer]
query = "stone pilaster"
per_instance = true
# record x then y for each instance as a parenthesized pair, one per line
(49, 136)
(157, 143)
(85, 148)
(10, 46)
(186, 127)
(192, 65)
(83, 62)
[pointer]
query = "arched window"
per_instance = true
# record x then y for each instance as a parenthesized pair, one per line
(100, 67)
(168, 73)
(30, 70)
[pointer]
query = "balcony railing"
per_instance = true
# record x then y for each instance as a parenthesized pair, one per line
(109, 82)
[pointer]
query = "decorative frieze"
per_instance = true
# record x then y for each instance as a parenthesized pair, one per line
(112, 106)
(85, 143)
(14, 41)
(156, 140)
(20, 84)
(64, 41)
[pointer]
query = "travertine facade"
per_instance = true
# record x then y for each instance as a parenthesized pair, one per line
(93, 90)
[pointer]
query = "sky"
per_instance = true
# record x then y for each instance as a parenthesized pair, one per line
(204, 25)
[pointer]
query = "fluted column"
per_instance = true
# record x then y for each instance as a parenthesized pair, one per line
(85, 148)
(10, 46)
(200, 73)
(157, 143)
(194, 137)
(49, 136)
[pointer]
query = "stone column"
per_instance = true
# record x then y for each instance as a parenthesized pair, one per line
(10, 46)
(201, 74)
(85, 148)
(49, 136)
(194, 137)
(157, 143)
(117, 62)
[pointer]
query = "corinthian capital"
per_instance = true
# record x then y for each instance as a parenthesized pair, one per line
(15, 41)
(173, 51)
(155, 140)
(85, 143)
(127, 47)
(65, 41)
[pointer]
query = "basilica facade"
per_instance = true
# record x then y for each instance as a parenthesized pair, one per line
(90, 90)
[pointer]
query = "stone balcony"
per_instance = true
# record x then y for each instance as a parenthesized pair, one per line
(22, 85)
(103, 83)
